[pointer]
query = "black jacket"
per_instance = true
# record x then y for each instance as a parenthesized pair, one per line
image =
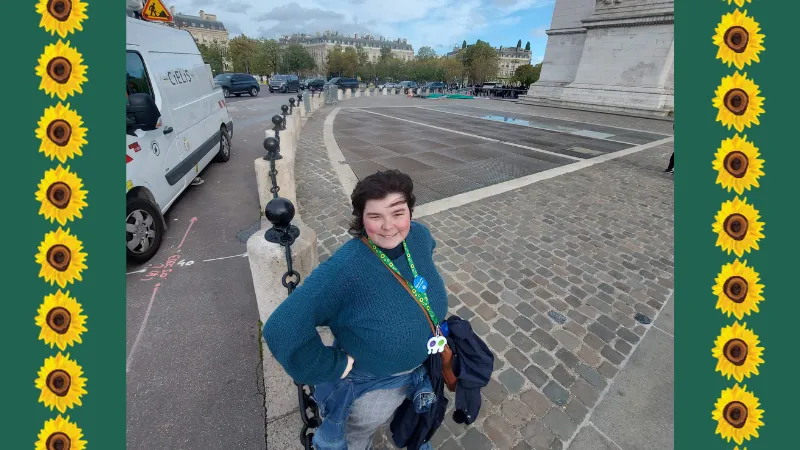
(473, 364)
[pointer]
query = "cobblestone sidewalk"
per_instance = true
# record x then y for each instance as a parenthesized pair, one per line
(561, 278)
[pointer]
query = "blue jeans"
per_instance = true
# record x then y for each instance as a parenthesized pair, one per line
(335, 400)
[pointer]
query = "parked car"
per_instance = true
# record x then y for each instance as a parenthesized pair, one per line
(284, 83)
(389, 85)
(177, 123)
(406, 85)
(343, 83)
(237, 84)
(314, 84)
(434, 85)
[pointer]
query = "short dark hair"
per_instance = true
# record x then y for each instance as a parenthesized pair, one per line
(375, 187)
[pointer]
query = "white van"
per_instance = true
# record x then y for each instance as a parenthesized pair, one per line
(177, 122)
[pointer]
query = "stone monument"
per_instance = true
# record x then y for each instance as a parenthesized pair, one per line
(609, 55)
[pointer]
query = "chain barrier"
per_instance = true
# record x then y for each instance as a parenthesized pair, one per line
(280, 212)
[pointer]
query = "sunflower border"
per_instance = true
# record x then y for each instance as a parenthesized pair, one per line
(62, 198)
(739, 166)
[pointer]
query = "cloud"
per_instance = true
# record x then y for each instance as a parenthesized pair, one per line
(539, 32)
(520, 5)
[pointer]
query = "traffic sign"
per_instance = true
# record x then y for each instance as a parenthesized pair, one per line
(156, 11)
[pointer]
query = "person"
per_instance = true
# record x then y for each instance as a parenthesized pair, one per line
(671, 166)
(381, 332)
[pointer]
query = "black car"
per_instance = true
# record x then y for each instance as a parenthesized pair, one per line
(237, 84)
(433, 85)
(344, 83)
(284, 83)
(314, 84)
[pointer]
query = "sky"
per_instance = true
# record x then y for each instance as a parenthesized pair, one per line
(440, 25)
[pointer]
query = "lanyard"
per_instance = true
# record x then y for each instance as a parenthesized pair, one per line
(422, 297)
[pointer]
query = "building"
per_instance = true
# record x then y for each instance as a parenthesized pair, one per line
(319, 44)
(509, 58)
(611, 55)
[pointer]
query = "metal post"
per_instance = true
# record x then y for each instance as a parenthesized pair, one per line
(291, 105)
(284, 111)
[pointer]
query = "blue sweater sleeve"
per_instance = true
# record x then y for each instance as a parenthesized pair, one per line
(291, 334)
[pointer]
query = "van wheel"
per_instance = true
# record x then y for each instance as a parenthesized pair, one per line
(144, 229)
(285, 90)
(226, 93)
(238, 95)
(253, 92)
(224, 153)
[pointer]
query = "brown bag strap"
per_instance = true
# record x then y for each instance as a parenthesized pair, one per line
(405, 285)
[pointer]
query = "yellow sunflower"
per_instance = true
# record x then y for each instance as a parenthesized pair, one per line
(60, 433)
(738, 39)
(739, 3)
(61, 133)
(61, 16)
(62, 70)
(61, 195)
(738, 102)
(737, 415)
(738, 290)
(737, 352)
(61, 258)
(738, 227)
(738, 164)
(61, 383)
(61, 320)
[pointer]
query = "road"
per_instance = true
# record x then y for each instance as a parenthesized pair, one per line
(193, 363)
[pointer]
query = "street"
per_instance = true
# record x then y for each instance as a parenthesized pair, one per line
(193, 364)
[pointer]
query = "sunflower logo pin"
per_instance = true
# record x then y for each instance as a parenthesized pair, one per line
(61, 320)
(738, 39)
(738, 227)
(61, 133)
(61, 258)
(738, 290)
(61, 195)
(60, 433)
(737, 415)
(738, 102)
(739, 3)
(62, 71)
(737, 352)
(61, 383)
(61, 16)
(738, 164)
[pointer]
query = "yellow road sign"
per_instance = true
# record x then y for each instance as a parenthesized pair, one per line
(156, 11)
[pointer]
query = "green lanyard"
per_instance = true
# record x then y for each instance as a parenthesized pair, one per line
(421, 296)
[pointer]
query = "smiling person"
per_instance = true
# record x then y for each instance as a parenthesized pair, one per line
(381, 329)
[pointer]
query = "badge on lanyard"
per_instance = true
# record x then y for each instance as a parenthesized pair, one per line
(436, 344)
(420, 284)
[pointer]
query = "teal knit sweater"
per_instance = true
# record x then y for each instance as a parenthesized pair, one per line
(374, 319)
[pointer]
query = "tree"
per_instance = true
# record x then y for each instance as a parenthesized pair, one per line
(267, 59)
(527, 74)
(464, 44)
(481, 61)
(242, 50)
(335, 60)
(350, 62)
(528, 46)
(452, 69)
(426, 53)
(386, 53)
(296, 59)
(519, 44)
(214, 54)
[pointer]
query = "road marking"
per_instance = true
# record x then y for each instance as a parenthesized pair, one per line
(129, 362)
(575, 132)
(136, 271)
(191, 222)
(243, 255)
(560, 155)
(495, 189)
(347, 178)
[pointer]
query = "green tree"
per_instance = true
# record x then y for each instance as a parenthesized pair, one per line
(519, 44)
(426, 53)
(242, 50)
(386, 53)
(480, 62)
(452, 69)
(266, 61)
(528, 46)
(335, 62)
(296, 59)
(350, 62)
(527, 74)
(464, 44)
(214, 54)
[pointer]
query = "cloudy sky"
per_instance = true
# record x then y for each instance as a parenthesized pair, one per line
(438, 24)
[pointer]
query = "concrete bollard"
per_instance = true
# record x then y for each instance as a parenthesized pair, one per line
(267, 265)
(366, 92)
(284, 178)
(384, 91)
(339, 95)
(348, 94)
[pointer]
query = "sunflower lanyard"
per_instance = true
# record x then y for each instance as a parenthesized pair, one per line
(437, 342)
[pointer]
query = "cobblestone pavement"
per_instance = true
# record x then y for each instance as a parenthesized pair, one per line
(561, 278)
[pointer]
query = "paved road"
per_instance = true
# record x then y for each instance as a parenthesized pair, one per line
(194, 370)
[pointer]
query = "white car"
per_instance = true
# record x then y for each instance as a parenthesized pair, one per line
(177, 122)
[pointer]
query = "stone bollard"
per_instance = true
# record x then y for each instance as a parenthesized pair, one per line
(301, 107)
(348, 94)
(385, 91)
(285, 176)
(267, 266)
(358, 92)
(339, 95)
(366, 92)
